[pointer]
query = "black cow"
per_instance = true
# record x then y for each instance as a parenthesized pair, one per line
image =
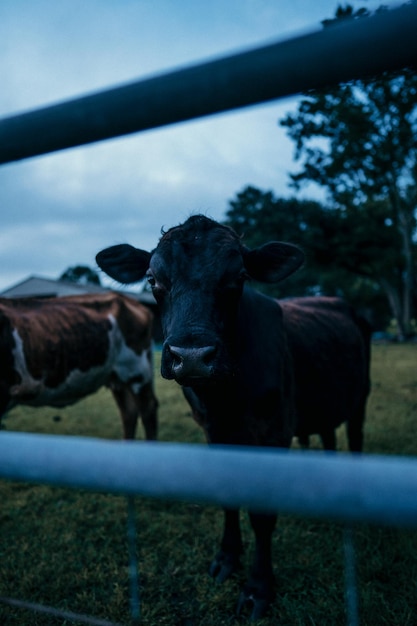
(250, 366)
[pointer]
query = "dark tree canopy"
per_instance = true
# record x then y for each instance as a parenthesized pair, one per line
(81, 274)
(259, 216)
(359, 141)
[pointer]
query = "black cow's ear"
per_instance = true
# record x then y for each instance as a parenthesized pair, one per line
(124, 263)
(273, 261)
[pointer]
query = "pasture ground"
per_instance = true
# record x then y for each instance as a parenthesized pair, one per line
(68, 549)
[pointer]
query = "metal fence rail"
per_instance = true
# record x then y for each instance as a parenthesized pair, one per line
(377, 490)
(342, 52)
(341, 487)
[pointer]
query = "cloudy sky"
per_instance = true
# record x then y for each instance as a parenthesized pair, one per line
(59, 210)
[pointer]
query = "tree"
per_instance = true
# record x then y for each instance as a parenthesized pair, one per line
(324, 235)
(259, 216)
(81, 274)
(359, 141)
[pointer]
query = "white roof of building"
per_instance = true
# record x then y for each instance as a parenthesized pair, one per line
(40, 287)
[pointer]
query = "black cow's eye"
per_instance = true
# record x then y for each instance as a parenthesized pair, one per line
(151, 280)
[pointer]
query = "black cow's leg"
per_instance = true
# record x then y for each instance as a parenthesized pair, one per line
(259, 590)
(328, 439)
(227, 560)
(4, 402)
(304, 441)
(354, 429)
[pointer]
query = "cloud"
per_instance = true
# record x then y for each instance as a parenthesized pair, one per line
(59, 210)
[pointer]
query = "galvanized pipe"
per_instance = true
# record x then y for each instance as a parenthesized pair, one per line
(346, 51)
(342, 487)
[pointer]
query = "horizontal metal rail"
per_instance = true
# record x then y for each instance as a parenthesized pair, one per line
(341, 487)
(346, 51)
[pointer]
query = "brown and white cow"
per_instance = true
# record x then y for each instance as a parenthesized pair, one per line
(55, 351)
(255, 370)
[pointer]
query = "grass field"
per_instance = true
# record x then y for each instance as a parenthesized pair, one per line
(68, 549)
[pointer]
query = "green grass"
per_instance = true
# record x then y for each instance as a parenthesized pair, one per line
(68, 548)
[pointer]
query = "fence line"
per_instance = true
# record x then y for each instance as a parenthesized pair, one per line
(377, 489)
(342, 52)
(70, 616)
(341, 487)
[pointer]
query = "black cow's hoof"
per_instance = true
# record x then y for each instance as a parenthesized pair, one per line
(223, 565)
(257, 606)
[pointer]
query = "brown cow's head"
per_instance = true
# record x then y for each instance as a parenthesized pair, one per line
(197, 274)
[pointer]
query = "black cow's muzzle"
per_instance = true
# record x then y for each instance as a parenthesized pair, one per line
(191, 365)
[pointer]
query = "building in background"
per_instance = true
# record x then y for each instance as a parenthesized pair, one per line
(40, 287)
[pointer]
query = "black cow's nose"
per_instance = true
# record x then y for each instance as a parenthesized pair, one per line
(192, 362)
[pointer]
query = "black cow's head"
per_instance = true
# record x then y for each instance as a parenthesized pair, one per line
(197, 273)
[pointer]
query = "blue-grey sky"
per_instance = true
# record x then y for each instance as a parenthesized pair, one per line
(60, 210)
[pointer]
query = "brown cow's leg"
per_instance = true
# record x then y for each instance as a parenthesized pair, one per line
(148, 407)
(259, 590)
(227, 560)
(129, 409)
(131, 405)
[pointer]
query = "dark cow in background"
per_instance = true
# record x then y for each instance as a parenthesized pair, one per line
(256, 371)
(55, 351)
(330, 348)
